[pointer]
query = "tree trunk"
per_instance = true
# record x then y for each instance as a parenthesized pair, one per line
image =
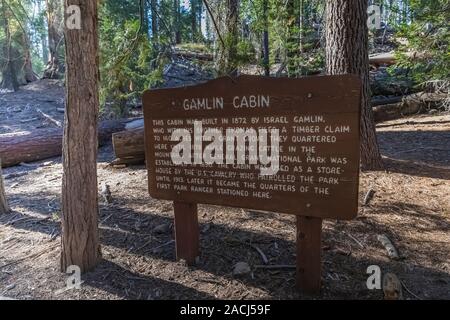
(54, 68)
(266, 50)
(176, 21)
(194, 29)
(9, 76)
(227, 58)
(41, 144)
(80, 237)
(154, 15)
(29, 74)
(4, 208)
(291, 42)
(347, 52)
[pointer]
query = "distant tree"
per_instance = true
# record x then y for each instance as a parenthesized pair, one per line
(176, 21)
(154, 17)
(80, 237)
(228, 52)
(55, 26)
(347, 53)
(9, 72)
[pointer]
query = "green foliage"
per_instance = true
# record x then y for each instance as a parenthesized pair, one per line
(129, 63)
(427, 36)
(245, 53)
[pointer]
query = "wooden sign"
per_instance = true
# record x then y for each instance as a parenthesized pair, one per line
(273, 144)
(318, 123)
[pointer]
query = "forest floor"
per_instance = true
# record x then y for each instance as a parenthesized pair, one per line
(411, 206)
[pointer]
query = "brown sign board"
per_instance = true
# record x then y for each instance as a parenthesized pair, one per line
(311, 125)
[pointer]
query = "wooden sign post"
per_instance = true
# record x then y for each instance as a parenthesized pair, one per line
(273, 144)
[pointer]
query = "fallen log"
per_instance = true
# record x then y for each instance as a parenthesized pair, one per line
(193, 55)
(23, 147)
(413, 104)
(378, 101)
(382, 59)
(129, 146)
(389, 58)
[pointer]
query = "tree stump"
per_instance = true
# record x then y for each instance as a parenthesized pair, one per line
(4, 208)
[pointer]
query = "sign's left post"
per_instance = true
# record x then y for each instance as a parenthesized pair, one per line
(187, 240)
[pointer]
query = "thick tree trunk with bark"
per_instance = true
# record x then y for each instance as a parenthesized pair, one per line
(347, 52)
(41, 144)
(55, 67)
(80, 237)
(4, 208)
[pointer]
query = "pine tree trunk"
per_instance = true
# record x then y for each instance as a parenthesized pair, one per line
(347, 52)
(29, 74)
(176, 21)
(54, 68)
(227, 58)
(266, 50)
(292, 53)
(194, 20)
(153, 4)
(4, 208)
(80, 237)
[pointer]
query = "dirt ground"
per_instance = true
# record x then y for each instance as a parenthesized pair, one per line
(411, 206)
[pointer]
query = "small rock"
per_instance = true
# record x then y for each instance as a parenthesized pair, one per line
(392, 287)
(433, 111)
(162, 228)
(10, 287)
(241, 268)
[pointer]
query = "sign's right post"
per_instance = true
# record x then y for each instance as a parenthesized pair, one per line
(309, 254)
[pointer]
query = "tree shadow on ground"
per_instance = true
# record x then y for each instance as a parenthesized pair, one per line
(121, 282)
(417, 153)
(130, 237)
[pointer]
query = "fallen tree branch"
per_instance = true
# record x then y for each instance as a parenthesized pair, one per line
(387, 244)
(49, 118)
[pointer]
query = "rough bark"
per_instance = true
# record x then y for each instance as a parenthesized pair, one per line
(41, 144)
(80, 237)
(347, 52)
(4, 208)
